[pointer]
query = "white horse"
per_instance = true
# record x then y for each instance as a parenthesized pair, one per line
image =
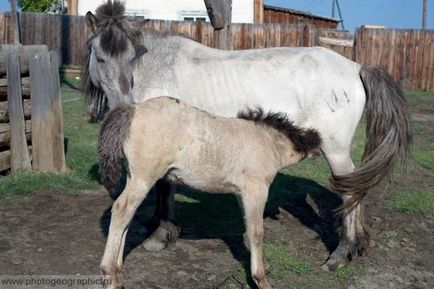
(317, 88)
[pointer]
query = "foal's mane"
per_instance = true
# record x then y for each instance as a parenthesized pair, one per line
(304, 140)
(115, 32)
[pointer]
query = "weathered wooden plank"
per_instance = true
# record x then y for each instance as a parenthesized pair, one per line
(58, 144)
(47, 121)
(20, 159)
(3, 26)
(24, 51)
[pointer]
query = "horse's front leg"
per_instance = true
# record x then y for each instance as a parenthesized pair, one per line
(167, 232)
(122, 213)
(253, 202)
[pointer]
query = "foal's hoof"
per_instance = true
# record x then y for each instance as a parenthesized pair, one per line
(166, 234)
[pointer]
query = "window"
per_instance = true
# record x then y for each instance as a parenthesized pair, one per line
(194, 16)
(137, 13)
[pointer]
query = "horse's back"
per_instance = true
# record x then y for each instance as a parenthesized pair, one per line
(315, 86)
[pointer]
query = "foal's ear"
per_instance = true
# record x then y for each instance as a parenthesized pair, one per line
(91, 21)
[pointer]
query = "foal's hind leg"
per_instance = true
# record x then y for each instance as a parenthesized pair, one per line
(253, 202)
(167, 232)
(122, 213)
(354, 239)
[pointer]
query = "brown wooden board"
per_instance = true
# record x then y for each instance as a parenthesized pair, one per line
(20, 159)
(47, 120)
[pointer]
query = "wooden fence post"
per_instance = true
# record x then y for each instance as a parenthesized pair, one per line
(47, 119)
(220, 14)
(20, 159)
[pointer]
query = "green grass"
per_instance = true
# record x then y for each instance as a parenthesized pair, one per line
(416, 194)
(281, 261)
(346, 273)
(80, 145)
(418, 202)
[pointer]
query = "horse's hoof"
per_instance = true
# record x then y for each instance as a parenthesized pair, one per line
(154, 245)
(166, 234)
(334, 263)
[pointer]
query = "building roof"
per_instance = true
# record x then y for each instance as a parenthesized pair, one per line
(302, 13)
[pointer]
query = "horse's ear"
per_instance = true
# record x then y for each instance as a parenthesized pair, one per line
(140, 51)
(138, 25)
(91, 21)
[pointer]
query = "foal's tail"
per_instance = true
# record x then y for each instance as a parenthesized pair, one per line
(389, 138)
(114, 131)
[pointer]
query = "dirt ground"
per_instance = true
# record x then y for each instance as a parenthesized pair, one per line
(54, 234)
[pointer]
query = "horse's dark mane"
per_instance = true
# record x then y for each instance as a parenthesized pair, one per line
(304, 140)
(114, 28)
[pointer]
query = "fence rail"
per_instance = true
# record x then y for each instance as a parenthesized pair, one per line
(408, 55)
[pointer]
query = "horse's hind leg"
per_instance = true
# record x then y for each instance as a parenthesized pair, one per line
(122, 213)
(253, 202)
(167, 232)
(354, 238)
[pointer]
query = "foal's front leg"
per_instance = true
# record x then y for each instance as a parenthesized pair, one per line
(254, 204)
(122, 213)
(167, 232)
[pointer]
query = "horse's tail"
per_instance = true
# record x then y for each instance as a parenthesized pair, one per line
(114, 131)
(389, 138)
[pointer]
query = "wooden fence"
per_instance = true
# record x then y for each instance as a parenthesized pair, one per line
(31, 121)
(406, 54)
(67, 35)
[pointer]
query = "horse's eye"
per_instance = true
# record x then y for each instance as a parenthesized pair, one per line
(100, 60)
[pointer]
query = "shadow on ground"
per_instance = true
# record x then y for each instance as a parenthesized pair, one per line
(218, 216)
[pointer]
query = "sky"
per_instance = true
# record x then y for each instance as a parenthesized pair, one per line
(389, 13)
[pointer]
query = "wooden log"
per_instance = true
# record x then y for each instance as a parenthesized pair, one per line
(4, 111)
(47, 120)
(5, 133)
(25, 81)
(24, 51)
(25, 90)
(20, 159)
(5, 160)
(5, 127)
(5, 138)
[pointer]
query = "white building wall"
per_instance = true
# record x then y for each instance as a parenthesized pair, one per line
(242, 10)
